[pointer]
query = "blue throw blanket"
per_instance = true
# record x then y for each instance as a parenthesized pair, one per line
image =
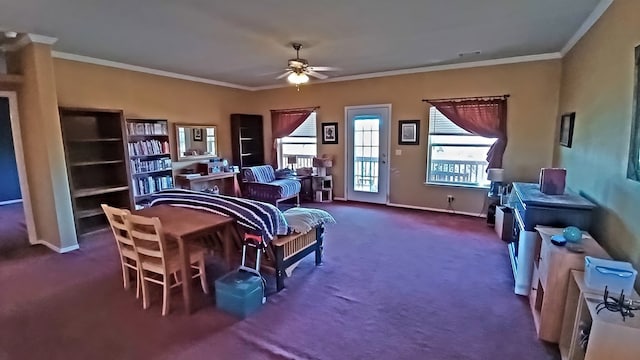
(263, 218)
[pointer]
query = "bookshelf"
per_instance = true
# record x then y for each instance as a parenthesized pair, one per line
(149, 158)
(246, 140)
(96, 164)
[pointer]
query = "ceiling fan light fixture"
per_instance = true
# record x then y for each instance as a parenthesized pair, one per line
(297, 79)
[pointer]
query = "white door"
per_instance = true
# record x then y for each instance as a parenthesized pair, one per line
(367, 153)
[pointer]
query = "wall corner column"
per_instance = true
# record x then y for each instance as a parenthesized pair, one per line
(43, 147)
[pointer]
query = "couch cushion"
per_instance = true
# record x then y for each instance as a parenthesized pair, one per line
(287, 187)
(261, 174)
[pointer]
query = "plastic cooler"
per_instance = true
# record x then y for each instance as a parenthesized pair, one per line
(239, 293)
(617, 276)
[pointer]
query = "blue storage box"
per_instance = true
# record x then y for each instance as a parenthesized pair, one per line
(617, 276)
(239, 293)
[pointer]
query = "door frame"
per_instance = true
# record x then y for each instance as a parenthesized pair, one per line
(14, 117)
(346, 147)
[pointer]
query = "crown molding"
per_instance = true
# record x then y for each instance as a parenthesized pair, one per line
(466, 65)
(600, 9)
(146, 70)
(29, 38)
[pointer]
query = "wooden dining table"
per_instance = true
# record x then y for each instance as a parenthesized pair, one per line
(185, 225)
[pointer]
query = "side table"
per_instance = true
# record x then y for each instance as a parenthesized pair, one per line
(306, 191)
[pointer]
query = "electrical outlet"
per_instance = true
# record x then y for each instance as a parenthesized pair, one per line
(450, 198)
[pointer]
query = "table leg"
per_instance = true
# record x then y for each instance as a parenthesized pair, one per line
(185, 269)
(227, 242)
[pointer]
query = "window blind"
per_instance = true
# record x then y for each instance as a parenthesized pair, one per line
(440, 124)
(307, 128)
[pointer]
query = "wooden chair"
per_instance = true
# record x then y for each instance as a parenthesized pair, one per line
(156, 257)
(128, 258)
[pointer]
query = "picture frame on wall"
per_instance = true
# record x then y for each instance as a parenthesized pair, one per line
(197, 134)
(567, 121)
(330, 133)
(409, 132)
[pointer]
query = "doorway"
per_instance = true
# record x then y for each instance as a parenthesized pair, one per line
(367, 155)
(17, 229)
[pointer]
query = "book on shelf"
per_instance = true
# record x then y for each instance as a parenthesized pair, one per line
(151, 184)
(148, 147)
(146, 128)
(143, 166)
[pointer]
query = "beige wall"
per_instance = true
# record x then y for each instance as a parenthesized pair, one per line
(533, 105)
(150, 96)
(597, 84)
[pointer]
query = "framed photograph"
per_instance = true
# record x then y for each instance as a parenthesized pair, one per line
(330, 133)
(409, 132)
(566, 129)
(197, 134)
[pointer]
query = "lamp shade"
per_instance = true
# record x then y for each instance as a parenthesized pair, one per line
(296, 78)
(496, 175)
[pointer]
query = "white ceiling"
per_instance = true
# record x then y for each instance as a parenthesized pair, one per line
(246, 41)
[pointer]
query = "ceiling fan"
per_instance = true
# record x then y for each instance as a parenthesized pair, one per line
(298, 70)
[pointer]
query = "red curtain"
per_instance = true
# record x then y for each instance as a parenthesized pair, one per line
(283, 123)
(487, 118)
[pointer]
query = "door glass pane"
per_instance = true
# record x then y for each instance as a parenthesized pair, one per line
(366, 150)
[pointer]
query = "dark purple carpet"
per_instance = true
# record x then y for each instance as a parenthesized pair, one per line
(13, 229)
(395, 284)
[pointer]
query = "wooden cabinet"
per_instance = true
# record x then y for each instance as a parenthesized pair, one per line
(609, 336)
(247, 140)
(96, 164)
(552, 266)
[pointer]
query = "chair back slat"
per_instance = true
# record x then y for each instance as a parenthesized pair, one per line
(118, 227)
(147, 235)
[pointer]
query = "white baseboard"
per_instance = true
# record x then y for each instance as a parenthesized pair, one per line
(9, 202)
(57, 249)
(339, 199)
(436, 210)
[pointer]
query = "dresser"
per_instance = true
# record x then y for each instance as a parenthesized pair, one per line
(531, 207)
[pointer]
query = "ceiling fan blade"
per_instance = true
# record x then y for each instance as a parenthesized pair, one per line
(286, 73)
(317, 75)
(323, 68)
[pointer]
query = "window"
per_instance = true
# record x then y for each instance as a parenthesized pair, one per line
(455, 156)
(211, 140)
(301, 143)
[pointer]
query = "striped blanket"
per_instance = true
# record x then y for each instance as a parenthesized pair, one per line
(263, 218)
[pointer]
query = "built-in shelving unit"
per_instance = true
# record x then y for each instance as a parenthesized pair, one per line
(589, 334)
(95, 158)
(246, 140)
(149, 158)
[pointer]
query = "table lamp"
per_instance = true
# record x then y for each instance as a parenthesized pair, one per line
(292, 160)
(496, 176)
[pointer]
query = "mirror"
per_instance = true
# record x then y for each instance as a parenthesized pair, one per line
(196, 142)
(633, 171)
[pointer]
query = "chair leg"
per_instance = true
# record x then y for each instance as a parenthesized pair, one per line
(125, 274)
(203, 276)
(166, 295)
(298, 200)
(145, 291)
(138, 285)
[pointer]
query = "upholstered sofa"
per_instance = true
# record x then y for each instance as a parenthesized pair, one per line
(260, 184)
